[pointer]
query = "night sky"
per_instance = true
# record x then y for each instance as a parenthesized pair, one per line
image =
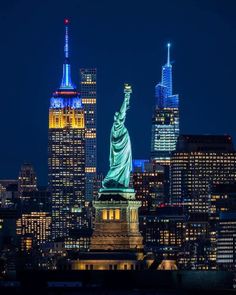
(126, 42)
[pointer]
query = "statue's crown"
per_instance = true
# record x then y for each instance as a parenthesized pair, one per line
(127, 88)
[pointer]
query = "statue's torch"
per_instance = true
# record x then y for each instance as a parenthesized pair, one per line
(127, 92)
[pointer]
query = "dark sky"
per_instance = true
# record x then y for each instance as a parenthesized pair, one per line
(125, 40)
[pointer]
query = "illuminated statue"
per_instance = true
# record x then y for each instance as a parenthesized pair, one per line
(120, 149)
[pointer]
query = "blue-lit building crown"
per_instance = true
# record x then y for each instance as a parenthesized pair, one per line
(66, 96)
(60, 101)
(165, 123)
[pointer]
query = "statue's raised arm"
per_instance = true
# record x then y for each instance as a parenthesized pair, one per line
(125, 104)
(120, 148)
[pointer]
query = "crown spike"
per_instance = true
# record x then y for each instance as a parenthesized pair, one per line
(168, 54)
(66, 82)
(66, 47)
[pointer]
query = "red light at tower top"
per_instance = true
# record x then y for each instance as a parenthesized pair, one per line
(66, 21)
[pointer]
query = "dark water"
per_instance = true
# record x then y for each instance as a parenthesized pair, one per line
(113, 292)
(139, 292)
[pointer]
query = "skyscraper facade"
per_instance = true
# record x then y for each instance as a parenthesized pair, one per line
(165, 120)
(163, 231)
(88, 88)
(223, 225)
(199, 163)
(66, 159)
(27, 180)
(36, 225)
(196, 251)
(148, 184)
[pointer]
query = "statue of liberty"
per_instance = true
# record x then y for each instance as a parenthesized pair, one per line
(120, 149)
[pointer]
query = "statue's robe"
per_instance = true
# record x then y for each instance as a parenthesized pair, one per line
(120, 157)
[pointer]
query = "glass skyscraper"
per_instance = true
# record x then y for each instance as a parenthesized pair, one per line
(88, 88)
(66, 159)
(165, 121)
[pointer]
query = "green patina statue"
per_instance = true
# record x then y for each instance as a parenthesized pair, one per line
(120, 149)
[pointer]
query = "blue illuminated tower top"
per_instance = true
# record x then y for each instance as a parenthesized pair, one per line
(66, 82)
(167, 73)
(165, 122)
(66, 95)
(163, 90)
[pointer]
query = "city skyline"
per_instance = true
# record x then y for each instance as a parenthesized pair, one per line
(117, 149)
(139, 65)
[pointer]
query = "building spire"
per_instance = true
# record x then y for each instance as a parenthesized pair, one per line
(66, 47)
(66, 82)
(167, 73)
(168, 54)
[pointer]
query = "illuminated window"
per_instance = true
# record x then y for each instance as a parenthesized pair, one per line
(111, 214)
(117, 214)
(104, 214)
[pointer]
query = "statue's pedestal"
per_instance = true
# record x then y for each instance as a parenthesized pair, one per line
(116, 224)
(116, 243)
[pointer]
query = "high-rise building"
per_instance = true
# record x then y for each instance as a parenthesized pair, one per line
(148, 184)
(165, 121)
(66, 159)
(226, 242)
(222, 200)
(9, 196)
(223, 225)
(88, 89)
(196, 252)
(36, 225)
(199, 163)
(163, 231)
(36, 201)
(8, 240)
(27, 180)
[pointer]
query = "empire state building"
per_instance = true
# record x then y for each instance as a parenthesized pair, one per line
(66, 154)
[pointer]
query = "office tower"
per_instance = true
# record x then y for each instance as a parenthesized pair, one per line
(88, 89)
(37, 201)
(200, 162)
(226, 242)
(34, 222)
(148, 184)
(8, 240)
(34, 226)
(9, 197)
(196, 251)
(66, 159)
(165, 120)
(163, 233)
(27, 180)
(222, 200)
(223, 225)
